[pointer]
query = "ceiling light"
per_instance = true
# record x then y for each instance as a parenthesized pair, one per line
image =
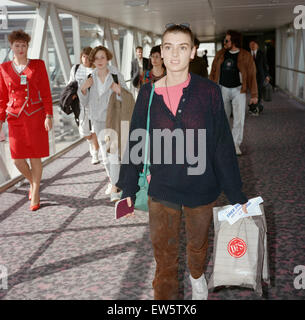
(136, 3)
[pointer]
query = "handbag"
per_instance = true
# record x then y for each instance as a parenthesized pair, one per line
(267, 92)
(141, 202)
(66, 102)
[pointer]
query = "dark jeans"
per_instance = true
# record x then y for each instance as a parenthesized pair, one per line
(260, 85)
(164, 232)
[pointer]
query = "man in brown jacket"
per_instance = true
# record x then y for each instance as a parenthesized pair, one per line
(234, 70)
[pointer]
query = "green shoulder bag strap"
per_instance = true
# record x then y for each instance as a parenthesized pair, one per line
(146, 162)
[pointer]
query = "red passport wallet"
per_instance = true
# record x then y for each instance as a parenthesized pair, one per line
(122, 209)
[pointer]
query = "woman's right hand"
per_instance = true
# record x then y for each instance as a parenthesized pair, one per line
(86, 85)
(129, 202)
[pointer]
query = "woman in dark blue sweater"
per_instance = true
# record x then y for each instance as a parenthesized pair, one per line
(187, 172)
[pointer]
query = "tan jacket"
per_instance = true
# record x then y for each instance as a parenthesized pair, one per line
(246, 66)
(118, 111)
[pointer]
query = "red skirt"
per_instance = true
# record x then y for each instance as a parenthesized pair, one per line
(28, 137)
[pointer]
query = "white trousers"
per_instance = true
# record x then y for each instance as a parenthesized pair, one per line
(84, 128)
(111, 160)
(235, 102)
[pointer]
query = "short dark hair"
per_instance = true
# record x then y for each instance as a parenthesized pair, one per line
(155, 49)
(139, 47)
(152, 51)
(19, 35)
(95, 51)
(236, 37)
(179, 28)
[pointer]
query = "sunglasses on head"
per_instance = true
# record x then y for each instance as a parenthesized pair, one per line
(182, 25)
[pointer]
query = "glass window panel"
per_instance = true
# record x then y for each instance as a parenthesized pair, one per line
(211, 52)
(66, 23)
(91, 35)
(300, 91)
(19, 16)
(122, 33)
(147, 45)
(65, 129)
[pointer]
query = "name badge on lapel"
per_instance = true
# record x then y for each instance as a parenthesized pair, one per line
(23, 79)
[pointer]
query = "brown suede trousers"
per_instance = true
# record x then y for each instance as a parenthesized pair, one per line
(164, 232)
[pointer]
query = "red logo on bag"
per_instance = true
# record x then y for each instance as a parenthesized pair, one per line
(237, 247)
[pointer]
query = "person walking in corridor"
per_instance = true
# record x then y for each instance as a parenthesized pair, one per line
(96, 92)
(79, 73)
(234, 70)
(262, 73)
(26, 103)
(156, 69)
(181, 102)
(138, 66)
(199, 65)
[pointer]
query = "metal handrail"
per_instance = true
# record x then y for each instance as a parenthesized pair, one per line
(9, 183)
(290, 69)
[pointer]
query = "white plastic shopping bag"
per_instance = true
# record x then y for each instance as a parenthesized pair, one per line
(240, 250)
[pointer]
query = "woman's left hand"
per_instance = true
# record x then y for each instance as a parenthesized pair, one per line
(48, 124)
(116, 88)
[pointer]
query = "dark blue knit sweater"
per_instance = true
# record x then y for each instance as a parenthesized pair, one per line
(200, 107)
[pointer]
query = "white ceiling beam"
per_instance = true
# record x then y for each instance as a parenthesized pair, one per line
(81, 16)
(40, 31)
(29, 3)
(45, 56)
(59, 43)
(198, 12)
(117, 52)
(4, 17)
(109, 41)
(76, 38)
(127, 55)
(137, 39)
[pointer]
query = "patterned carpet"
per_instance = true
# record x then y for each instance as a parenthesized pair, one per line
(72, 248)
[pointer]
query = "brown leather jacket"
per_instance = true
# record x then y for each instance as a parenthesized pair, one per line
(246, 66)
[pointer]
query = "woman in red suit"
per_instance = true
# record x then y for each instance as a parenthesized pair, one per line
(26, 103)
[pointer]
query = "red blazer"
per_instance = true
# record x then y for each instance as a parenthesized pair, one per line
(30, 97)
